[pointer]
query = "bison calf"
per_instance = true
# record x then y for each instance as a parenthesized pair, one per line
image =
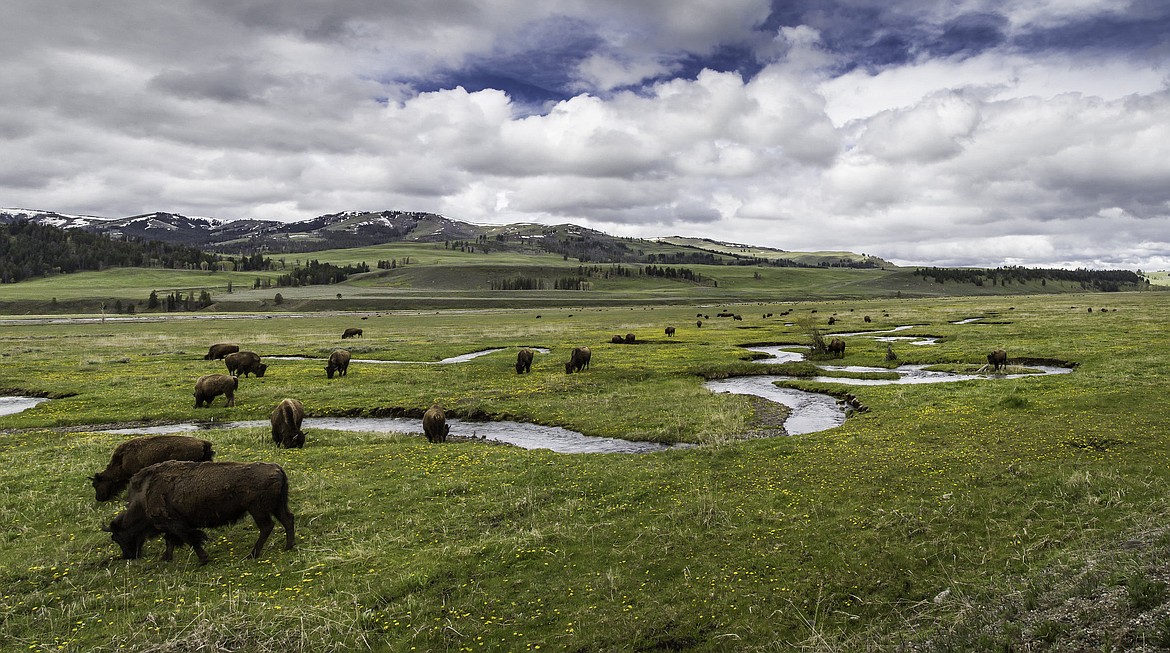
(132, 456)
(435, 425)
(244, 362)
(210, 386)
(338, 362)
(286, 424)
(220, 350)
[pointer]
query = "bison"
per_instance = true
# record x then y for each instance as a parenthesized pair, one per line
(338, 362)
(351, 332)
(134, 455)
(617, 339)
(286, 424)
(435, 425)
(997, 360)
(244, 362)
(178, 498)
(210, 386)
(578, 360)
(670, 332)
(220, 350)
(836, 348)
(630, 338)
(524, 361)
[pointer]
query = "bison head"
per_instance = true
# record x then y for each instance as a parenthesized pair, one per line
(260, 369)
(129, 534)
(105, 488)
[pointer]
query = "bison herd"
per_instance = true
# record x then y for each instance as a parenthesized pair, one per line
(176, 490)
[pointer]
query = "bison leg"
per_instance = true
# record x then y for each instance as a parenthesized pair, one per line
(286, 520)
(231, 399)
(264, 523)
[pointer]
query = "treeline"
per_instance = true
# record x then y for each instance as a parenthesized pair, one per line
(28, 250)
(315, 273)
(1104, 280)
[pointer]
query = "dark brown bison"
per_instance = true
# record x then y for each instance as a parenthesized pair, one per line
(351, 333)
(286, 424)
(836, 348)
(524, 361)
(617, 339)
(997, 360)
(669, 332)
(435, 425)
(220, 350)
(338, 362)
(178, 498)
(630, 338)
(698, 324)
(210, 386)
(134, 455)
(244, 362)
(578, 360)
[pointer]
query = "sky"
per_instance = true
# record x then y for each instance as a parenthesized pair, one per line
(951, 133)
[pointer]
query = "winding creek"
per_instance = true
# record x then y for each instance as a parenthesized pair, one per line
(809, 411)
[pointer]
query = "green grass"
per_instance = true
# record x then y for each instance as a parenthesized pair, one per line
(839, 540)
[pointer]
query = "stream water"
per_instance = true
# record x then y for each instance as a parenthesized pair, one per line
(809, 411)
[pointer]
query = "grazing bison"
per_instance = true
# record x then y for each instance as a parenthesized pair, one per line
(210, 386)
(836, 347)
(997, 360)
(630, 338)
(338, 362)
(134, 455)
(524, 361)
(669, 332)
(220, 350)
(286, 424)
(244, 362)
(617, 339)
(435, 425)
(177, 498)
(578, 360)
(698, 324)
(350, 333)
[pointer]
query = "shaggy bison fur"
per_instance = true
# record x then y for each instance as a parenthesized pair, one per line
(286, 424)
(210, 386)
(578, 360)
(350, 333)
(178, 498)
(524, 361)
(244, 362)
(997, 360)
(435, 425)
(134, 455)
(338, 362)
(220, 350)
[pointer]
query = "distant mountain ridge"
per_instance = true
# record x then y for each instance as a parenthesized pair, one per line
(349, 229)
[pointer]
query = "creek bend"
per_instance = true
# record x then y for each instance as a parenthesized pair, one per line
(809, 411)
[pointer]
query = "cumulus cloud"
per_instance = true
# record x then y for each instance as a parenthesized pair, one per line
(960, 133)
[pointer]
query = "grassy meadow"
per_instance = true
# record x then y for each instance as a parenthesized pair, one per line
(943, 518)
